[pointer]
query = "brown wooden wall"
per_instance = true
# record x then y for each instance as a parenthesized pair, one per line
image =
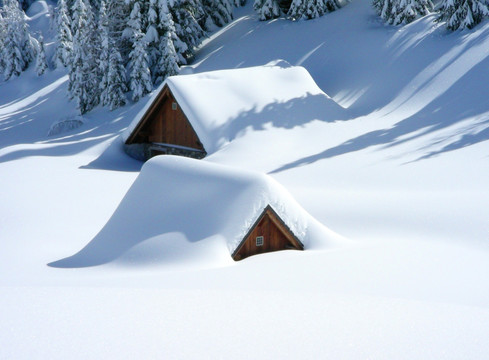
(276, 237)
(166, 125)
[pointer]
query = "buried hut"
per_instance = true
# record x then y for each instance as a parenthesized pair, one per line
(196, 114)
(186, 211)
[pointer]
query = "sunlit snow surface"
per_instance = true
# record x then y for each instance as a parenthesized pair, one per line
(403, 176)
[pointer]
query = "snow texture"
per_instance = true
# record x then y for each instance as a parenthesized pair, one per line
(205, 202)
(217, 103)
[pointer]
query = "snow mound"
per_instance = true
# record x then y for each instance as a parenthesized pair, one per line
(65, 125)
(222, 105)
(188, 210)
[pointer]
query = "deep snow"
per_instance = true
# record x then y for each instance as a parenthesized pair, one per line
(404, 177)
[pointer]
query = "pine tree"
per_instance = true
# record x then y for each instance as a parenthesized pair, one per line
(64, 38)
(103, 60)
(152, 37)
(219, 12)
(167, 25)
(461, 14)
(18, 45)
(185, 14)
(396, 12)
(3, 33)
(116, 80)
(83, 74)
(267, 9)
(41, 64)
(311, 9)
(168, 63)
(140, 76)
(118, 13)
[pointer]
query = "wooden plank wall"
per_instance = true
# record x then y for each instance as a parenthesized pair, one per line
(170, 126)
(274, 239)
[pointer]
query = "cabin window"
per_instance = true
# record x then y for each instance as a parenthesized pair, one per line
(259, 241)
(174, 105)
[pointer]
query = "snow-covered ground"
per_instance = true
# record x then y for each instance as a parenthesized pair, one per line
(402, 176)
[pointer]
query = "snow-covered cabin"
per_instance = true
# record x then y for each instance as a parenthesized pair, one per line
(182, 209)
(196, 114)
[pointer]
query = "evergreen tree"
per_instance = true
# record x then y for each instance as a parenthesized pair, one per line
(267, 9)
(116, 79)
(167, 25)
(219, 12)
(41, 64)
(152, 37)
(461, 14)
(18, 46)
(118, 13)
(64, 38)
(83, 74)
(311, 9)
(140, 76)
(168, 62)
(103, 60)
(396, 12)
(185, 14)
(3, 33)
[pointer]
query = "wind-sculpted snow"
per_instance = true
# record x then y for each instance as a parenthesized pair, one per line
(176, 202)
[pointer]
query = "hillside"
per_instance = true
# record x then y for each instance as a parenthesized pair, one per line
(401, 176)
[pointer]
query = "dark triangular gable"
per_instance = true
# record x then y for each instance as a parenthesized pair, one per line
(276, 236)
(165, 125)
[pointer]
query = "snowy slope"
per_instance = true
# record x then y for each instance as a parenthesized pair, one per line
(403, 176)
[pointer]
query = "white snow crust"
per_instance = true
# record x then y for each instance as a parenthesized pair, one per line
(201, 201)
(221, 104)
(403, 176)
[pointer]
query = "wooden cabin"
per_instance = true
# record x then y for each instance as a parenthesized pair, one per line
(268, 233)
(165, 129)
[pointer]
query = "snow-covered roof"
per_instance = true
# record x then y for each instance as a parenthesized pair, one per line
(214, 102)
(210, 204)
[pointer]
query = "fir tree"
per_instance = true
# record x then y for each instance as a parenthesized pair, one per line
(167, 25)
(64, 38)
(396, 12)
(152, 37)
(219, 12)
(41, 64)
(310, 9)
(3, 32)
(140, 76)
(267, 9)
(168, 62)
(103, 60)
(461, 14)
(116, 80)
(185, 14)
(83, 75)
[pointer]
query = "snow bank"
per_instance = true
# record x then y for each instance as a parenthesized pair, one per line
(176, 199)
(222, 104)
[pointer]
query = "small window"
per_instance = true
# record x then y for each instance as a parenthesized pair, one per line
(259, 241)
(174, 105)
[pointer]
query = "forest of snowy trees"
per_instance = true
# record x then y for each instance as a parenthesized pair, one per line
(115, 47)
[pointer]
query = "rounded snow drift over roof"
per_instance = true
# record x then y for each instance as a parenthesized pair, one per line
(189, 209)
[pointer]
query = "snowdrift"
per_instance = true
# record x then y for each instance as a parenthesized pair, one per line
(222, 104)
(190, 210)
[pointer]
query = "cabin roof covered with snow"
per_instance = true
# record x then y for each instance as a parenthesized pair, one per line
(215, 101)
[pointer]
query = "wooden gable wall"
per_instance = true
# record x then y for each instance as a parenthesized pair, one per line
(165, 122)
(276, 236)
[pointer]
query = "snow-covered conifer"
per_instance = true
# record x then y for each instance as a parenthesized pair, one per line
(18, 46)
(311, 9)
(103, 60)
(140, 76)
(2, 41)
(267, 9)
(167, 25)
(185, 14)
(461, 14)
(84, 74)
(220, 12)
(168, 62)
(64, 38)
(116, 80)
(152, 37)
(41, 64)
(396, 12)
